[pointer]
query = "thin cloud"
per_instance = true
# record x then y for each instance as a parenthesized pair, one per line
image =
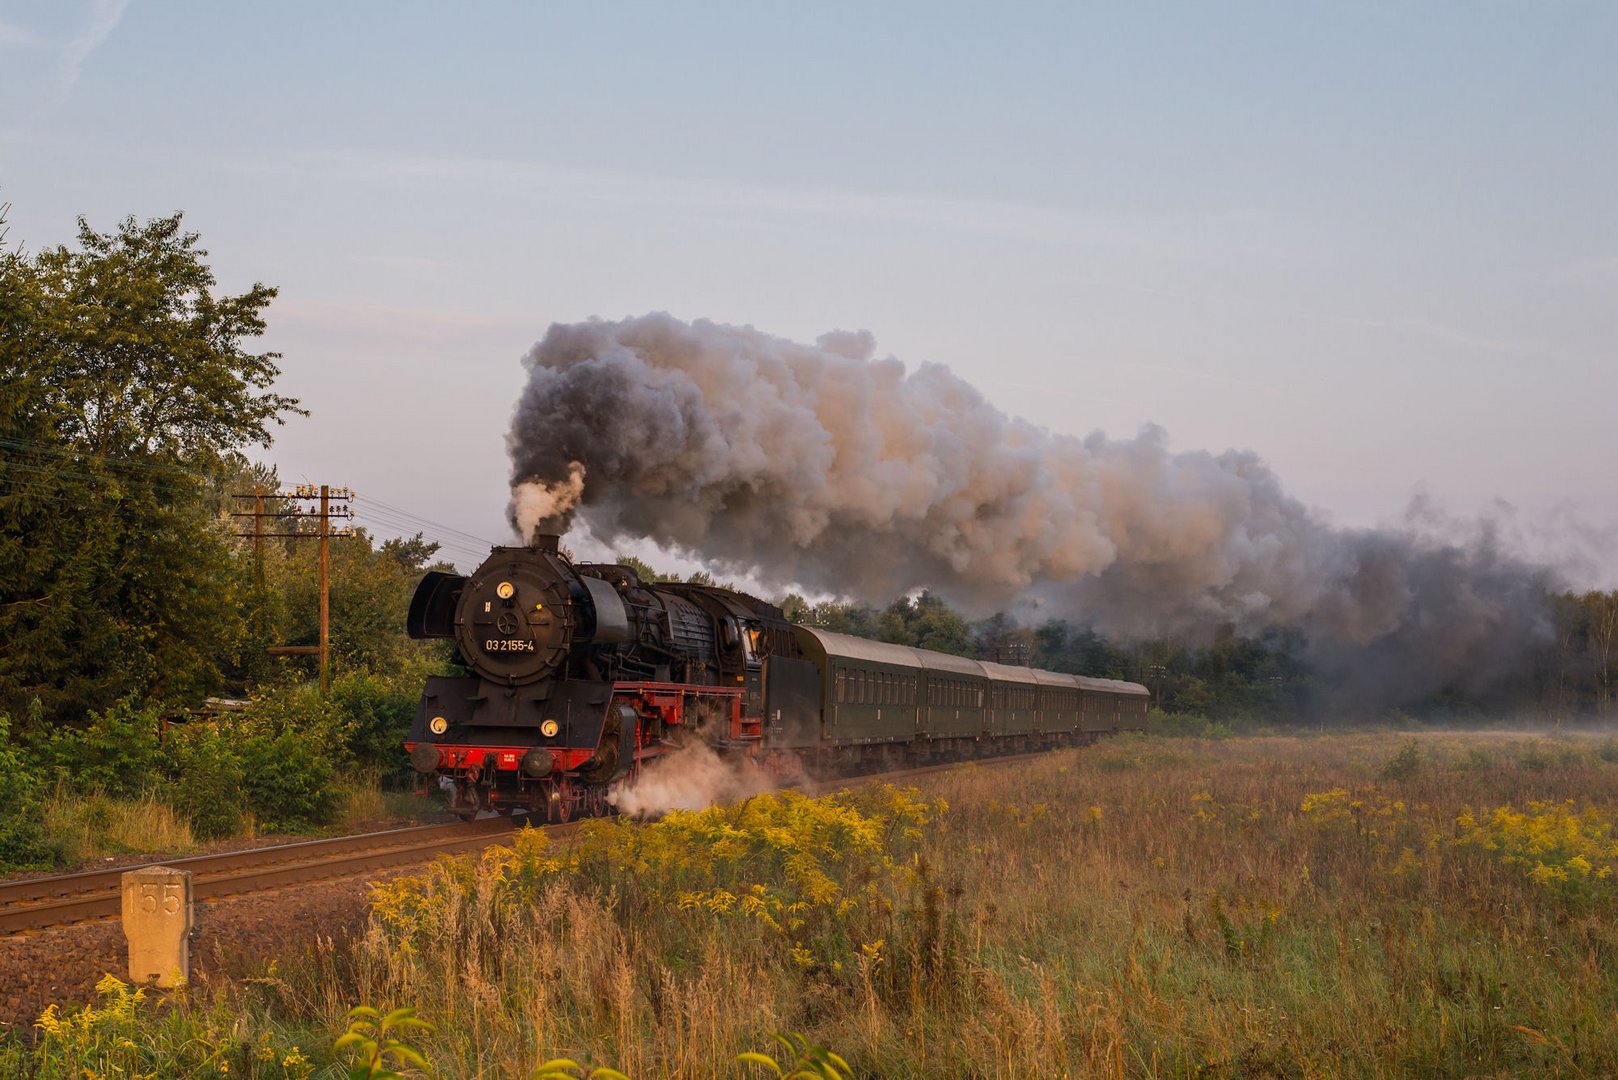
(1189, 373)
(105, 16)
(18, 37)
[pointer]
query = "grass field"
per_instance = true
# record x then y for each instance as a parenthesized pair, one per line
(1358, 905)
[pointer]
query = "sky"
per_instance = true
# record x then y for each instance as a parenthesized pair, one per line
(1375, 243)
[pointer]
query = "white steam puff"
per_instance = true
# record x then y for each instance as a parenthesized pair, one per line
(690, 778)
(820, 467)
(535, 503)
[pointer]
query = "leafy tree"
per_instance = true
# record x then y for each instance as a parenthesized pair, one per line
(124, 383)
(413, 554)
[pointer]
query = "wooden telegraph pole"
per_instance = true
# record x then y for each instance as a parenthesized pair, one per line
(333, 503)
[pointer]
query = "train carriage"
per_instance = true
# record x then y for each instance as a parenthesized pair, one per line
(1111, 705)
(1058, 709)
(1013, 699)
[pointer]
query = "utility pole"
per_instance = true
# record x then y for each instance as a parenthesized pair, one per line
(325, 587)
(333, 503)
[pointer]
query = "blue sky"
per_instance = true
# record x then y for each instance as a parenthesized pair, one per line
(1376, 243)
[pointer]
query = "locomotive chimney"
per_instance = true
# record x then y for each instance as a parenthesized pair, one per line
(543, 541)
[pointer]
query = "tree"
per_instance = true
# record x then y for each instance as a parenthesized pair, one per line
(124, 384)
(1602, 609)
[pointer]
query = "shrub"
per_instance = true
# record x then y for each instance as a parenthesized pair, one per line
(289, 780)
(1196, 725)
(1404, 765)
(206, 780)
(23, 843)
(378, 715)
(812, 878)
(118, 751)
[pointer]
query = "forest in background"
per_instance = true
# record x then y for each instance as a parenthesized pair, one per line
(130, 399)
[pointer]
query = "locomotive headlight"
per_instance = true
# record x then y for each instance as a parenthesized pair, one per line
(438, 725)
(505, 590)
(549, 729)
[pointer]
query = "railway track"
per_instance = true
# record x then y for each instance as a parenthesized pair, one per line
(65, 899)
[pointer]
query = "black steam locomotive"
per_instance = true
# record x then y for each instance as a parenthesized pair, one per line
(581, 675)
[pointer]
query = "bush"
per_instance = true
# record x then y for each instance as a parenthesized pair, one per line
(119, 752)
(206, 780)
(289, 780)
(278, 762)
(1404, 765)
(129, 1035)
(23, 843)
(292, 743)
(378, 714)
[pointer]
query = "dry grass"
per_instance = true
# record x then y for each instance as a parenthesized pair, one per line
(365, 804)
(93, 826)
(1288, 907)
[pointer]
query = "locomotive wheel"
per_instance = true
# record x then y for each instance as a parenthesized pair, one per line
(564, 801)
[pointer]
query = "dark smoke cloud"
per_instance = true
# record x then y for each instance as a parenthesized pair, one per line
(821, 467)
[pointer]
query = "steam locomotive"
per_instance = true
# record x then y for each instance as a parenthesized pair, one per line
(579, 676)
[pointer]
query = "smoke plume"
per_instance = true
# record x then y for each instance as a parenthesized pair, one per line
(822, 467)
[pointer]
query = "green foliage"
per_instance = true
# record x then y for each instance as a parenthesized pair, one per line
(1159, 722)
(1404, 765)
(208, 778)
(290, 745)
(117, 752)
(377, 713)
(568, 1069)
(23, 844)
(125, 384)
(643, 569)
(127, 1035)
(926, 622)
(378, 1044)
(807, 1061)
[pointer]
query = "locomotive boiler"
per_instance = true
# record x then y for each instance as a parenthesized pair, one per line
(579, 676)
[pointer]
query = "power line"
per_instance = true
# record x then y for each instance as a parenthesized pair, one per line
(436, 525)
(394, 521)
